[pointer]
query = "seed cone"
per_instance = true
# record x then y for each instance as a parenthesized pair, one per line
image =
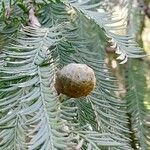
(75, 80)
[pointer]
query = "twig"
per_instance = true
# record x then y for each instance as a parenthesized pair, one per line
(33, 20)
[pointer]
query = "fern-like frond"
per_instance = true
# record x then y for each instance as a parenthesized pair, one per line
(53, 13)
(11, 19)
(124, 44)
(136, 84)
(32, 115)
(135, 102)
(102, 106)
(28, 100)
(97, 139)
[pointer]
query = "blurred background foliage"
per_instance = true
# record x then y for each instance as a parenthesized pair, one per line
(134, 77)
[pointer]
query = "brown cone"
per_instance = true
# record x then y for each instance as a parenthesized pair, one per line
(75, 80)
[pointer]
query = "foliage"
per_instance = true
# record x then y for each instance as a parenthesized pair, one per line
(136, 90)
(32, 115)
